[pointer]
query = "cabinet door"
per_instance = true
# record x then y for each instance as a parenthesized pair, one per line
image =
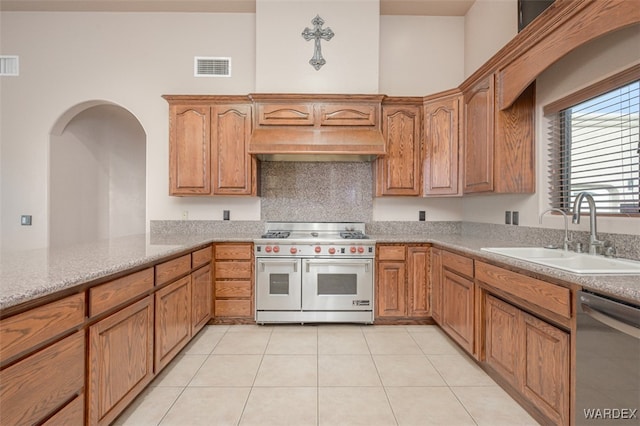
(545, 375)
(436, 285)
(398, 173)
(479, 137)
(189, 150)
(391, 289)
(201, 289)
(502, 348)
(457, 310)
(120, 360)
(233, 168)
(441, 132)
(418, 287)
(173, 320)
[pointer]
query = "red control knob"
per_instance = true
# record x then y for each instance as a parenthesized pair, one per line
(353, 249)
(360, 249)
(276, 249)
(293, 250)
(318, 249)
(267, 249)
(332, 250)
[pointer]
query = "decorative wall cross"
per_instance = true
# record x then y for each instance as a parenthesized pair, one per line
(317, 33)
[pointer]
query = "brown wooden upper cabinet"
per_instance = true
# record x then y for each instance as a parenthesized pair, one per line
(399, 172)
(442, 142)
(208, 142)
(498, 144)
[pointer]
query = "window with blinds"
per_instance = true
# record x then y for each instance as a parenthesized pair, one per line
(595, 147)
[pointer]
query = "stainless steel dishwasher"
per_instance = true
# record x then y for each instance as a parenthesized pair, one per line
(607, 361)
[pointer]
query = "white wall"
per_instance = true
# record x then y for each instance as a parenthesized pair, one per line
(282, 54)
(129, 59)
(582, 67)
(488, 26)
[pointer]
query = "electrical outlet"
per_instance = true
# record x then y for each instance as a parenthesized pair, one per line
(422, 216)
(507, 217)
(226, 214)
(516, 218)
(185, 214)
(25, 220)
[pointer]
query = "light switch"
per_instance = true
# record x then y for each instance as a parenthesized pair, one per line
(25, 220)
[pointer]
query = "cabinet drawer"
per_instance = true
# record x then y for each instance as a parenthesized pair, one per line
(391, 252)
(42, 383)
(24, 331)
(233, 289)
(167, 271)
(71, 414)
(114, 293)
(348, 115)
(547, 296)
(200, 257)
(233, 308)
(230, 270)
(460, 264)
(285, 114)
(233, 252)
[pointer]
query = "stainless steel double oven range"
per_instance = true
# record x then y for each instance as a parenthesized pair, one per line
(314, 272)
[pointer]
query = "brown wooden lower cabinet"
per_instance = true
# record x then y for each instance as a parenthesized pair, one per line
(403, 282)
(173, 321)
(201, 290)
(233, 282)
(120, 360)
(531, 355)
(43, 383)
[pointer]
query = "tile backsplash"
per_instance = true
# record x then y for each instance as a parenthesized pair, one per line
(316, 192)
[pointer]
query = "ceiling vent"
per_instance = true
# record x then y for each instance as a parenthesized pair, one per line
(212, 67)
(9, 65)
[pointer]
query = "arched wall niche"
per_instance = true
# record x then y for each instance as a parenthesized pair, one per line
(97, 168)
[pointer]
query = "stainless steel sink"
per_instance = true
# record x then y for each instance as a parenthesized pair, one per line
(577, 263)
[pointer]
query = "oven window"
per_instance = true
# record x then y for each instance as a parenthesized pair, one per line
(279, 284)
(337, 284)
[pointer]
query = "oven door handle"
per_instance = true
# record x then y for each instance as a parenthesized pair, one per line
(262, 263)
(339, 263)
(622, 327)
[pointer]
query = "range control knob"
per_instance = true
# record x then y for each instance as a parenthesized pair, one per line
(267, 249)
(293, 250)
(318, 249)
(332, 250)
(360, 249)
(352, 249)
(276, 249)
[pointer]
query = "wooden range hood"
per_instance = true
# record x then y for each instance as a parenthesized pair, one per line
(296, 127)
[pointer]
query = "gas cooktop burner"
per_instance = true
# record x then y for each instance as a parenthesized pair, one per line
(276, 234)
(353, 235)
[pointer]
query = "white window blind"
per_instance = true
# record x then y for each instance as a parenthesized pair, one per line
(595, 147)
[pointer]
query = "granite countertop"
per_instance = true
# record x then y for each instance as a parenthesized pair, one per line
(27, 275)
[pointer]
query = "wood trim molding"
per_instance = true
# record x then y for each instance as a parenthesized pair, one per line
(612, 82)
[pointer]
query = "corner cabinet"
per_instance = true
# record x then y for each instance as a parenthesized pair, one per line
(402, 283)
(208, 146)
(400, 171)
(499, 152)
(442, 143)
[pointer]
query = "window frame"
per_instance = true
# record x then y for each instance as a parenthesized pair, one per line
(601, 87)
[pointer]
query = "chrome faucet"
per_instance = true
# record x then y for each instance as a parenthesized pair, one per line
(567, 241)
(594, 243)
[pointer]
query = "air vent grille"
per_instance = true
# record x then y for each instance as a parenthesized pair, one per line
(212, 67)
(9, 65)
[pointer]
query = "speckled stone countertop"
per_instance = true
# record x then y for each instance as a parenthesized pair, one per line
(27, 275)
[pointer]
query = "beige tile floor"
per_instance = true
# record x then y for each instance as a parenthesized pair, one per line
(331, 375)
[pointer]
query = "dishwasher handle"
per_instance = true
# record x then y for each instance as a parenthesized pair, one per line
(616, 324)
